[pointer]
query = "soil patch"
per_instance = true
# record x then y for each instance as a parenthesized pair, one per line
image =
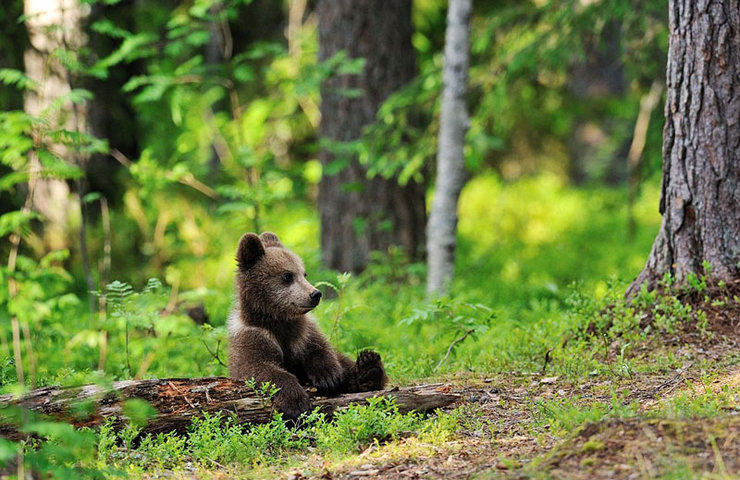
(640, 448)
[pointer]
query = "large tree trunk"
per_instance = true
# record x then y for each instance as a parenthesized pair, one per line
(359, 215)
(442, 228)
(177, 401)
(700, 200)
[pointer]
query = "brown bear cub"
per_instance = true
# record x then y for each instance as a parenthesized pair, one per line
(274, 340)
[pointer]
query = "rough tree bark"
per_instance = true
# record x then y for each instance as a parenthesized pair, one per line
(178, 400)
(359, 215)
(700, 199)
(454, 121)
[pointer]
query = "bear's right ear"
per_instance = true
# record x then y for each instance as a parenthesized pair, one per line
(249, 252)
(269, 239)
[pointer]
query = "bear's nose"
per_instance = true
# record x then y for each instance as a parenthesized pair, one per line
(315, 297)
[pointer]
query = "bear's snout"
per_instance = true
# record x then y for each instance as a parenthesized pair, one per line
(315, 297)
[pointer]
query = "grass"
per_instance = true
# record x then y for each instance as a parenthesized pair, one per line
(535, 310)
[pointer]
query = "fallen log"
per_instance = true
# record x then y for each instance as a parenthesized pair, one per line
(178, 400)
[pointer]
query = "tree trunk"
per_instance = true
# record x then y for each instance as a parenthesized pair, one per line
(593, 81)
(359, 215)
(178, 400)
(52, 25)
(442, 228)
(700, 199)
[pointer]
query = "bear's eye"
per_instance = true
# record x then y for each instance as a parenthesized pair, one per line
(287, 277)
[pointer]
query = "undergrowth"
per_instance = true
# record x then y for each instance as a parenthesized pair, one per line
(217, 441)
(529, 299)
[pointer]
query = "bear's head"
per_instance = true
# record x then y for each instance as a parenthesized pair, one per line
(271, 280)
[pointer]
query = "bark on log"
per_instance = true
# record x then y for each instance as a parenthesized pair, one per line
(178, 400)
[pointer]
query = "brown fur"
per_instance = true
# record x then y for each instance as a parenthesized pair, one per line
(274, 340)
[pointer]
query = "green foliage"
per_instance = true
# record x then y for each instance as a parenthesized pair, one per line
(700, 401)
(355, 428)
(228, 144)
(52, 449)
(216, 440)
(523, 56)
(565, 416)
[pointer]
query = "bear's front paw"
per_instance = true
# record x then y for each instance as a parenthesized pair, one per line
(292, 402)
(370, 371)
(325, 374)
(327, 380)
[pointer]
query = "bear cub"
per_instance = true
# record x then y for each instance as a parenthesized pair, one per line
(273, 339)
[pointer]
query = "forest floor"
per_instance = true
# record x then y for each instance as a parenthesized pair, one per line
(647, 423)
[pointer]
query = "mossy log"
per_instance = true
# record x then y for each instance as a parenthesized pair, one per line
(178, 400)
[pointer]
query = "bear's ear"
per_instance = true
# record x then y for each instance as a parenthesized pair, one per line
(249, 252)
(269, 239)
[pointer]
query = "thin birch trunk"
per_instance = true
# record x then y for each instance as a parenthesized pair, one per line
(454, 122)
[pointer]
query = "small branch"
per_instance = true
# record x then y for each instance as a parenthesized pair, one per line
(29, 354)
(105, 273)
(647, 104)
(452, 345)
(216, 354)
(547, 360)
(17, 350)
(188, 179)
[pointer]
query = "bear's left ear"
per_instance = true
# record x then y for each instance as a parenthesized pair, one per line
(269, 239)
(249, 252)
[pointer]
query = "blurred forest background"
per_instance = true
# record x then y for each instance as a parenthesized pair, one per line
(139, 140)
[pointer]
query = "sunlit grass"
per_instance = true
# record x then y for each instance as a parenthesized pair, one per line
(525, 248)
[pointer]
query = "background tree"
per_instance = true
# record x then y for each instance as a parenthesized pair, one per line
(53, 26)
(594, 81)
(442, 229)
(361, 214)
(700, 198)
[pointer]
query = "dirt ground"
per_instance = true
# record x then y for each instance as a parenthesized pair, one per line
(505, 440)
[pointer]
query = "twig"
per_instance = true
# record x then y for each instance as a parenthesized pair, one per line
(105, 273)
(547, 359)
(29, 354)
(672, 380)
(103, 350)
(17, 350)
(144, 366)
(295, 23)
(215, 355)
(647, 104)
(183, 394)
(452, 345)
(188, 179)
(172, 302)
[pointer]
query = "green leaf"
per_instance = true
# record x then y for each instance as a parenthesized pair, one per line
(8, 451)
(132, 48)
(55, 167)
(91, 197)
(107, 27)
(12, 77)
(15, 221)
(12, 179)
(138, 411)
